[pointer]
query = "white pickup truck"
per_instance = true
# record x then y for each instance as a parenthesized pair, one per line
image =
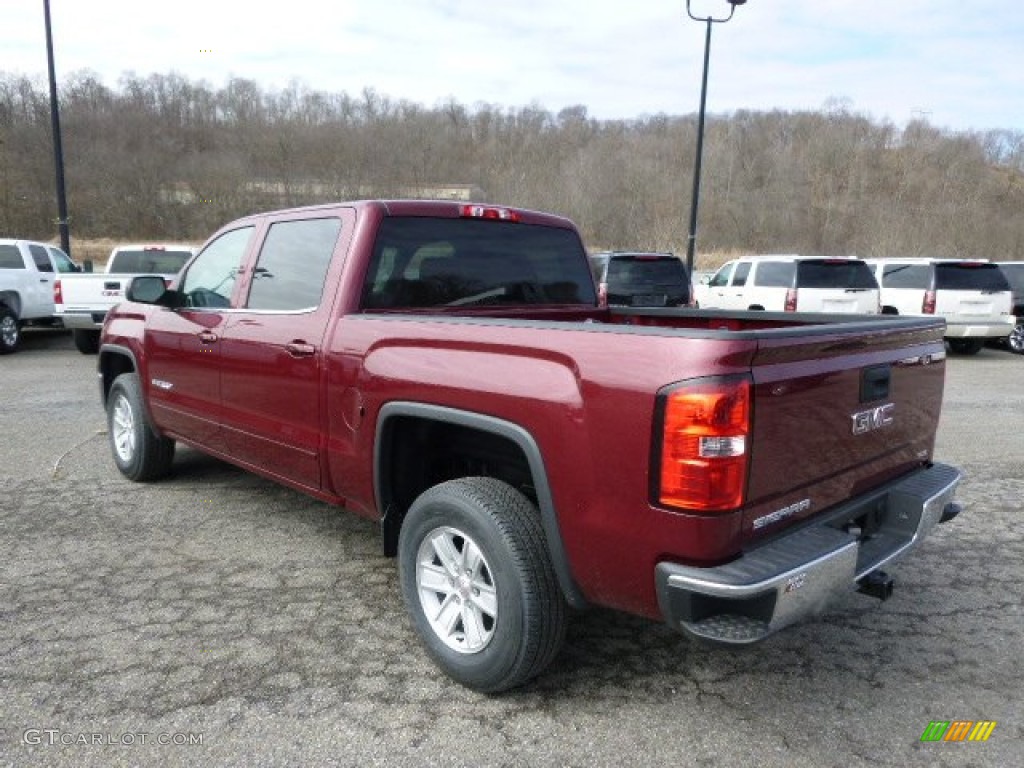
(81, 301)
(27, 273)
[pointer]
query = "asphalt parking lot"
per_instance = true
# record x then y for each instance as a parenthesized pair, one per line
(218, 619)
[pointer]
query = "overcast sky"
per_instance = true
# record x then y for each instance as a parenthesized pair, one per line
(960, 65)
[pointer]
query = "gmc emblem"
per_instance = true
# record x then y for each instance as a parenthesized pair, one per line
(873, 418)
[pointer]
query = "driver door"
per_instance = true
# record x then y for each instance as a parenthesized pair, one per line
(183, 344)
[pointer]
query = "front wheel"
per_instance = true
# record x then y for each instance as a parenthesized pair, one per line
(479, 585)
(139, 452)
(1015, 341)
(10, 330)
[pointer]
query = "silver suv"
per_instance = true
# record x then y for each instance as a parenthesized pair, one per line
(971, 294)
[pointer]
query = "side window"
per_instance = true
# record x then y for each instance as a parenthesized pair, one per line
(907, 276)
(10, 257)
(292, 265)
(742, 270)
(775, 274)
(64, 264)
(211, 278)
(721, 277)
(41, 258)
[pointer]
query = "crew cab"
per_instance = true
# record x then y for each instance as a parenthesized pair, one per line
(972, 295)
(81, 301)
(447, 371)
(28, 270)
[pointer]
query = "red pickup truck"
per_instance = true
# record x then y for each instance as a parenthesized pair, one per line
(446, 369)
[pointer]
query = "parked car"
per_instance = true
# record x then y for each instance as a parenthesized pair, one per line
(973, 296)
(445, 370)
(27, 272)
(1013, 271)
(82, 301)
(640, 279)
(792, 283)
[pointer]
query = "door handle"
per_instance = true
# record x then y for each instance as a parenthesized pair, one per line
(300, 349)
(208, 337)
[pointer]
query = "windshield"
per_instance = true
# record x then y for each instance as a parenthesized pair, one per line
(967, 276)
(834, 273)
(148, 260)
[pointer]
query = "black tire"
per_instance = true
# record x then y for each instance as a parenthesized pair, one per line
(1015, 341)
(10, 330)
(86, 342)
(139, 452)
(966, 346)
(519, 622)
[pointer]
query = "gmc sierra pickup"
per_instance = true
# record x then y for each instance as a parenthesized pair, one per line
(446, 370)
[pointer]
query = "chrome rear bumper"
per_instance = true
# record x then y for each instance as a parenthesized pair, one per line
(799, 574)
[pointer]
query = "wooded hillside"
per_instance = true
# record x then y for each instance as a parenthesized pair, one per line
(165, 157)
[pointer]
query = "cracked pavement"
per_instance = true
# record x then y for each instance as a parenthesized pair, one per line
(218, 604)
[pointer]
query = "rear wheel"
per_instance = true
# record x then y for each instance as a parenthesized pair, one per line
(10, 330)
(86, 342)
(966, 346)
(479, 585)
(1015, 341)
(139, 452)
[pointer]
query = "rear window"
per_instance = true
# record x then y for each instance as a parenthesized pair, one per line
(960, 276)
(837, 273)
(916, 276)
(628, 274)
(434, 262)
(153, 260)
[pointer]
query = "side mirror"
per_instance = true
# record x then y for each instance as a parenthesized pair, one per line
(146, 289)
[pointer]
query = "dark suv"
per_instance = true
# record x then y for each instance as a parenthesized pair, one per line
(1014, 271)
(638, 279)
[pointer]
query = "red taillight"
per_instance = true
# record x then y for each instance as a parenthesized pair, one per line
(489, 212)
(791, 300)
(58, 293)
(928, 305)
(704, 445)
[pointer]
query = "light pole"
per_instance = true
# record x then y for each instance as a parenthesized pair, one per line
(58, 152)
(691, 241)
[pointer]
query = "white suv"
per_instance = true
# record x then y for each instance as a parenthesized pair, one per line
(971, 294)
(792, 284)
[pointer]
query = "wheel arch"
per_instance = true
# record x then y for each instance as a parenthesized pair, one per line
(113, 360)
(402, 426)
(11, 300)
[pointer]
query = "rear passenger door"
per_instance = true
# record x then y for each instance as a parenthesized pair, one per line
(38, 298)
(272, 371)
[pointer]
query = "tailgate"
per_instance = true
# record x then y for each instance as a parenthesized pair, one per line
(837, 414)
(88, 292)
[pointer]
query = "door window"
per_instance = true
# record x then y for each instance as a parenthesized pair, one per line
(41, 258)
(742, 270)
(293, 264)
(721, 277)
(210, 280)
